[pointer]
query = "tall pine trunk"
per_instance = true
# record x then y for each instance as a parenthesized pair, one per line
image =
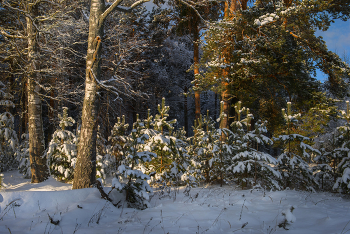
(38, 162)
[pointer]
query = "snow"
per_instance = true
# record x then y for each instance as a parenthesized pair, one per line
(27, 208)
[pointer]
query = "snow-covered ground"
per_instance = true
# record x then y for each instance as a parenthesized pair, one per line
(28, 208)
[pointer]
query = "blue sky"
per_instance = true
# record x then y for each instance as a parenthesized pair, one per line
(337, 38)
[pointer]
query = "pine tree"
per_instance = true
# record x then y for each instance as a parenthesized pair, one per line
(8, 136)
(118, 140)
(62, 150)
(129, 176)
(269, 52)
(23, 156)
(249, 164)
(323, 172)
(105, 165)
(342, 163)
(202, 148)
(160, 140)
(222, 150)
(295, 170)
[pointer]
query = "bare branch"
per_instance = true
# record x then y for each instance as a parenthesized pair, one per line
(2, 31)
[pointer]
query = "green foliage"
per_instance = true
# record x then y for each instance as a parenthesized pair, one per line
(118, 140)
(270, 53)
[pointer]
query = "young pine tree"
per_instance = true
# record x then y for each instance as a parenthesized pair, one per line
(62, 150)
(342, 163)
(130, 179)
(292, 164)
(23, 156)
(202, 148)
(249, 164)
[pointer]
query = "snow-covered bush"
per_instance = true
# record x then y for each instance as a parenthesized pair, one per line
(288, 218)
(62, 150)
(323, 172)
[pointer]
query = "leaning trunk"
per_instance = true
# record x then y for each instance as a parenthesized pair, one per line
(85, 169)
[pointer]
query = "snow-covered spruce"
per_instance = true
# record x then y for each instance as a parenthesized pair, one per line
(222, 149)
(62, 150)
(117, 140)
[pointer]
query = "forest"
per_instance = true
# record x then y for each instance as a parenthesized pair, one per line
(160, 94)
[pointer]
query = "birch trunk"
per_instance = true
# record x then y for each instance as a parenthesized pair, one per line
(38, 162)
(85, 169)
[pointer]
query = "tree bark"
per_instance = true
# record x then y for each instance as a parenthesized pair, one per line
(230, 7)
(38, 162)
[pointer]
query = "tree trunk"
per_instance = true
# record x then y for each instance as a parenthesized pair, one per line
(38, 162)
(85, 169)
(197, 94)
(225, 95)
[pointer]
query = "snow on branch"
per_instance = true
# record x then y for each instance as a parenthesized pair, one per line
(115, 6)
(113, 88)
